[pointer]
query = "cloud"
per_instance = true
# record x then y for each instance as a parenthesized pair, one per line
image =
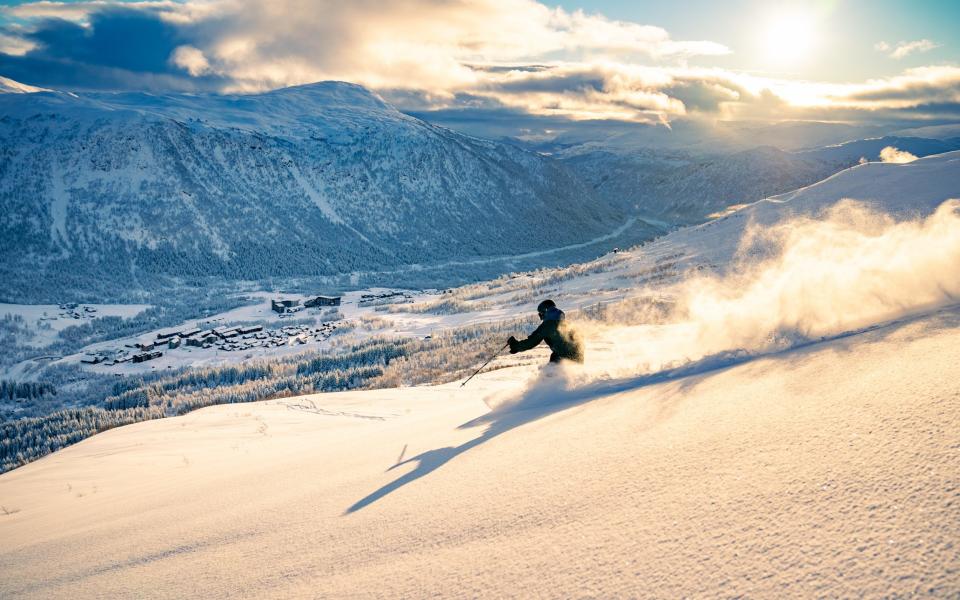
(892, 155)
(107, 46)
(441, 48)
(80, 12)
(607, 90)
(519, 57)
(904, 49)
(914, 87)
(70, 11)
(190, 59)
(15, 45)
(919, 93)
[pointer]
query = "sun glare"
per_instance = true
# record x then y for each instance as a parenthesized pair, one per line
(788, 38)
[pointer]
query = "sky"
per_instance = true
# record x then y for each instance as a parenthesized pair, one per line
(573, 61)
(844, 32)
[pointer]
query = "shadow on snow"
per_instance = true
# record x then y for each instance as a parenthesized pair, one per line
(546, 397)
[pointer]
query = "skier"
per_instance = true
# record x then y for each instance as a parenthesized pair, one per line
(555, 332)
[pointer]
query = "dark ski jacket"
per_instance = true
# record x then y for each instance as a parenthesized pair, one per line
(557, 334)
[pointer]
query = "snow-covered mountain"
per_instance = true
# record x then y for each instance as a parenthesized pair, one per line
(105, 190)
(683, 186)
(9, 86)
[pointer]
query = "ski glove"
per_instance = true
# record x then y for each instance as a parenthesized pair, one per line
(512, 342)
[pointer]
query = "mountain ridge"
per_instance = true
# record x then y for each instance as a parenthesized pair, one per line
(317, 180)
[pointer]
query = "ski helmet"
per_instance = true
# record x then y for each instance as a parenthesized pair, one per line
(543, 306)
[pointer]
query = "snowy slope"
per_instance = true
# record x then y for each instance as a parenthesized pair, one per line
(904, 191)
(104, 191)
(900, 190)
(852, 151)
(683, 186)
(828, 471)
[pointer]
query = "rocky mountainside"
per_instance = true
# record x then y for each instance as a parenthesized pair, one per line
(101, 191)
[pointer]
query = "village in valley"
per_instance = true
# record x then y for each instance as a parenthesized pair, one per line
(226, 338)
(279, 324)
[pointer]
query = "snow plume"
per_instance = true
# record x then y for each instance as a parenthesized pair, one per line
(801, 280)
(895, 155)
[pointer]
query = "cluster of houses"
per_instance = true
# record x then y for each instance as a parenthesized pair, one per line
(138, 353)
(72, 310)
(291, 305)
(255, 336)
(93, 359)
(145, 356)
(196, 337)
(241, 337)
(229, 339)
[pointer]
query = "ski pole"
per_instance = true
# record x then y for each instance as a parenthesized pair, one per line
(485, 364)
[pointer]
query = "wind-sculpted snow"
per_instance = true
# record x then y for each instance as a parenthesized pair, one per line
(317, 180)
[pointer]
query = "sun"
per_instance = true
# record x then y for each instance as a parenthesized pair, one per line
(788, 38)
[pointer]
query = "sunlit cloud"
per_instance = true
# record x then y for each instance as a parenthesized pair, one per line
(510, 55)
(415, 45)
(15, 45)
(904, 49)
(190, 59)
(74, 11)
(912, 88)
(81, 11)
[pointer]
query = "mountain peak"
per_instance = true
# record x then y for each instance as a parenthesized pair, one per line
(286, 110)
(333, 93)
(9, 86)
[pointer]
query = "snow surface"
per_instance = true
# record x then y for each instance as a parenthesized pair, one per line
(826, 471)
